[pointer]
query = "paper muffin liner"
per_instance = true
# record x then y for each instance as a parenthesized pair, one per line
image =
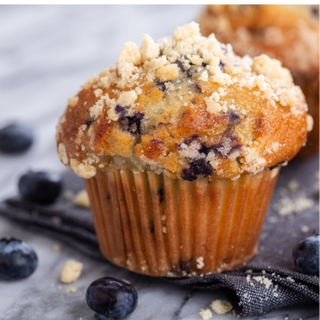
(154, 225)
(310, 88)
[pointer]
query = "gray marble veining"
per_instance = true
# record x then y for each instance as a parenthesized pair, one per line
(46, 52)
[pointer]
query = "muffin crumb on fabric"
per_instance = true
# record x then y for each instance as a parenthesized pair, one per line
(287, 206)
(264, 281)
(305, 229)
(293, 186)
(200, 263)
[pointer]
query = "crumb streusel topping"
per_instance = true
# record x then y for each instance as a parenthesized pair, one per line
(186, 106)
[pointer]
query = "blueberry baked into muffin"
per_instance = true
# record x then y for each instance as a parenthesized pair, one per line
(180, 146)
(289, 33)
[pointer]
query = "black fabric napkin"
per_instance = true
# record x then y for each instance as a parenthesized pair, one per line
(269, 282)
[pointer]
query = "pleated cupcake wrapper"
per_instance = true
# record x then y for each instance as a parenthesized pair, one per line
(310, 88)
(155, 225)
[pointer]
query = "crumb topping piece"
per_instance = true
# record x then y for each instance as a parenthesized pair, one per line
(221, 306)
(71, 271)
(81, 199)
(205, 314)
(186, 106)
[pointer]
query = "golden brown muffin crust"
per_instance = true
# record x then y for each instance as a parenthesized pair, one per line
(186, 106)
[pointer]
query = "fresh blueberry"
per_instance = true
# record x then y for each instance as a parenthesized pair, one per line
(40, 187)
(306, 255)
(111, 298)
(18, 260)
(15, 139)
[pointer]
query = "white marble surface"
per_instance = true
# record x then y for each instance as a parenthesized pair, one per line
(46, 52)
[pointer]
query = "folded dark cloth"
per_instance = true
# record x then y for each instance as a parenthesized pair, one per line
(269, 282)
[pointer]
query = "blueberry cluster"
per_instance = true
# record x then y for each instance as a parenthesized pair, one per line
(197, 167)
(202, 166)
(131, 124)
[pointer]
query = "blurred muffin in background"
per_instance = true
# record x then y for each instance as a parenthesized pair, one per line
(289, 33)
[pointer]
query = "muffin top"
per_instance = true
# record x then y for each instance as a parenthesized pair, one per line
(185, 106)
(289, 33)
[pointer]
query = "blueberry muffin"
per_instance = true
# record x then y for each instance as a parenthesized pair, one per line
(289, 33)
(180, 146)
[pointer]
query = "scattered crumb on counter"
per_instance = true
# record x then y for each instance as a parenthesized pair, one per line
(293, 186)
(234, 314)
(200, 263)
(126, 281)
(57, 247)
(71, 290)
(221, 306)
(305, 229)
(205, 314)
(81, 199)
(71, 271)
